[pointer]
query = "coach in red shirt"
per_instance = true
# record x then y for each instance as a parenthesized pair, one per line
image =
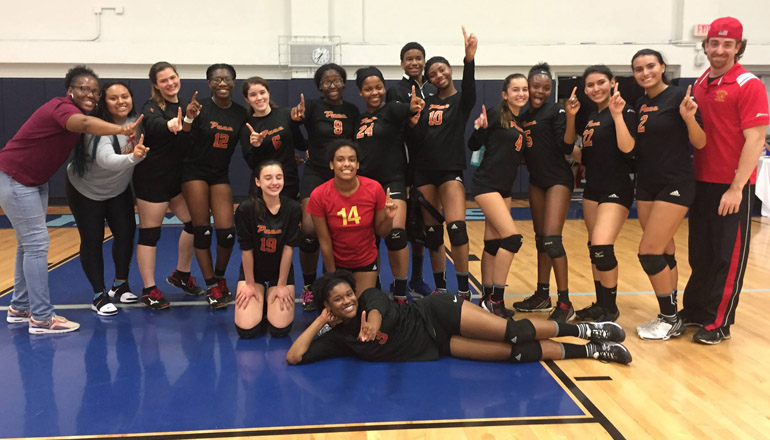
(733, 106)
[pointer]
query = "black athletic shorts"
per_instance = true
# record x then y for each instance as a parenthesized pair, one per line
(478, 188)
(436, 177)
(443, 310)
(189, 174)
(371, 267)
(270, 278)
(545, 185)
(312, 178)
(680, 193)
(154, 187)
(623, 196)
(397, 188)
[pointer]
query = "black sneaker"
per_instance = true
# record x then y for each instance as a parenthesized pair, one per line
(466, 295)
(534, 303)
(226, 294)
(122, 294)
(711, 337)
(155, 300)
(103, 306)
(497, 308)
(563, 312)
(187, 285)
(604, 332)
(590, 313)
(216, 297)
(608, 315)
(609, 352)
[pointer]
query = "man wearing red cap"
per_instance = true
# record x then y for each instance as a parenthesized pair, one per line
(733, 106)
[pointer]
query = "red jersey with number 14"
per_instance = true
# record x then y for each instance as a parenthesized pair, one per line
(350, 220)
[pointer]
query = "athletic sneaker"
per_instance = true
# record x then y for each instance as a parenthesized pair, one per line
(604, 332)
(438, 290)
(534, 303)
(155, 300)
(661, 328)
(122, 294)
(497, 308)
(403, 299)
(215, 297)
(466, 295)
(307, 300)
(226, 294)
(419, 288)
(17, 316)
(103, 306)
(609, 315)
(711, 337)
(590, 313)
(609, 352)
(53, 325)
(188, 285)
(563, 312)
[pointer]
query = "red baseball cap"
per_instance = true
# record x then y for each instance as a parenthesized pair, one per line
(726, 27)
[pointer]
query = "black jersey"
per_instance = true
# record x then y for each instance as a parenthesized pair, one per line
(166, 148)
(544, 134)
(267, 237)
(607, 168)
(283, 137)
(379, 138)
(402, 90)
(662, 141)
(442, 126)
(215, 132)
(324, 123)
(502, 152)
(404, 334)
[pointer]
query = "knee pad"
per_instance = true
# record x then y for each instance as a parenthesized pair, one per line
(396, 239)
(226, 238)
(434, 236)
(491, 246)
(188, 227)
(528, 352)
(653, 264)
(512, 243)
(279, 332)
(149, 236)
(670, 260)
(202, 237)
(539, 244)
(519, 332)
(603, 257)
(309, 244)
(249, 333)
(458, 235)
(553, 246)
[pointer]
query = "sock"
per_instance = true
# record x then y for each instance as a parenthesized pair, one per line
(219, 273)
(399, 287)
(440, 279)
(116, 283)
(417, 261)
(180, 275)
(543, 290)
(563, 296)
(599, 289)
(462, 282)
(308, 278)
(611, 296)
(667, 304)
(486, 291)
(573, 351)
(497, 292)
(563, 329)
(211, 282)
(146, 290)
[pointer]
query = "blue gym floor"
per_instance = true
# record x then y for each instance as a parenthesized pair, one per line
(184, 372)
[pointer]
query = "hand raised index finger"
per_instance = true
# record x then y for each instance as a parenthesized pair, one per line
(574, 90)
(302, 100)
(141, 139)
(689, 91)
(251, 129)
(465, 34)
(363, 318)
(616, 88)
(413, 92)
(387, 193)
(195, 96)
(484, 111)
(179, 113)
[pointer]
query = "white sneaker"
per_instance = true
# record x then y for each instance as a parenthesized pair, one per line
(660, 329)
(103, 307)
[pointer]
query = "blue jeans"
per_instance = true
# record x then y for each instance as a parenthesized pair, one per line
(26, 208)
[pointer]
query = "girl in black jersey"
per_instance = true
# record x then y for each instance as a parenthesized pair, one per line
(379, 139)
(326, 118)
(215, 124)
(440, 160)
(609, 191)
(374, 329)
(551, 181)
(499, 131)
(668, 123)
(270, 133)
(158, 185)
(268, 226)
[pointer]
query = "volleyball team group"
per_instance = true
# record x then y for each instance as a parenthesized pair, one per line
(395, 172)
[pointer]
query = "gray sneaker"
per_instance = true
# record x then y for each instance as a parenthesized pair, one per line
(661, 328)
(53, 325)
(17, 316)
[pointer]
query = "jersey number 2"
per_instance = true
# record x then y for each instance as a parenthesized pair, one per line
(642, 120)
(220, 140)
(350, 216)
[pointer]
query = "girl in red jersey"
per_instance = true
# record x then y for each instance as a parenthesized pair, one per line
(347, 211)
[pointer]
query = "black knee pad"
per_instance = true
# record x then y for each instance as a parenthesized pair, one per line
(149, 236)
(188, 227)
(603, 257)
(670, 260)
(249, 333)
(226, 238)
(202, 237)
(519, 332)
(279, 332)
(491, 246)
(458, 234)
(553, 246)
(434, 236)
(512, 243)
(527, 352)
(396, 239)
(539, 244)
(309, 244)
(652, 264)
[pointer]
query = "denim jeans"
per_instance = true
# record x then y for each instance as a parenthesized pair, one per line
(25, 207)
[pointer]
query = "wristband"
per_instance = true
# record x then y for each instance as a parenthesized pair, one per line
(187, 120)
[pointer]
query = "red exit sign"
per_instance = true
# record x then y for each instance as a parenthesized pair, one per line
(701, 30)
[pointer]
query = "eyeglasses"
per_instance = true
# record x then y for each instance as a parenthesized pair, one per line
(336, 83)
(88, 90)
(218, 80)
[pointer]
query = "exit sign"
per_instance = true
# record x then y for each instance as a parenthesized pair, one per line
(701, 30)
